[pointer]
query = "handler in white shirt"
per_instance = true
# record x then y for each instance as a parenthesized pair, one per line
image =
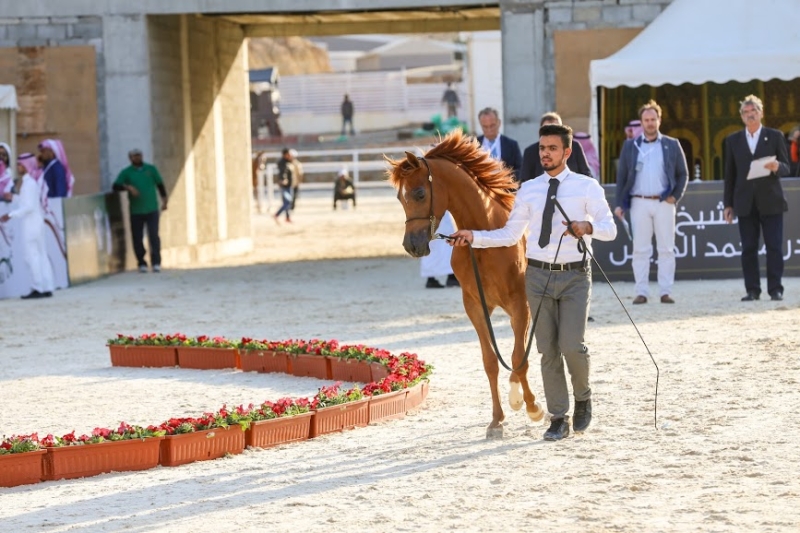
(562, 320)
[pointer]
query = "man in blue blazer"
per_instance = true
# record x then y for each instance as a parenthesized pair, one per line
(759, 203)
(499, 146)
(651, 179)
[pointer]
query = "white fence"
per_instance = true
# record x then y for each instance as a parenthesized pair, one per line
(266, 191)
(369, 92)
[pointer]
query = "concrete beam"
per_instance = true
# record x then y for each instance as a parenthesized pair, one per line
(524, 72)
(65, 8)
(353, 28)
(127, 89)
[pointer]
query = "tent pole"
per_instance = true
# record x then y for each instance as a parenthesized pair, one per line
(604, 177)
(706, 135)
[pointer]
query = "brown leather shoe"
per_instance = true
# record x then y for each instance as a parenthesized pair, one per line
(640, 300)
(666, 299)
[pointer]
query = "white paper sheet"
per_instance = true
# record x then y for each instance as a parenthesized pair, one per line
(758, 167)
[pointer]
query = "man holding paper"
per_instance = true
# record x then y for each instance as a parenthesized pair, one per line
(755, 160)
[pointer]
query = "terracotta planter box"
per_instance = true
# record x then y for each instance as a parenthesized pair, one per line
(388, 406)
(143, 356)
(379, 371)
(340, 417)
(207, 358)
(21, 468)
(350, 370)
(279, 362)
(314, 366)
(269, 433)
(414, 398)
(426, 387)
(69, 462)
(264, 361)
(201, 445)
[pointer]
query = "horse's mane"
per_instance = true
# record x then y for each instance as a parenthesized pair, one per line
(466, 152)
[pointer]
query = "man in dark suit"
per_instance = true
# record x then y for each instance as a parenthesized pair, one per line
(532, 165)
(499, 146)
(651, 178)
(759, 203)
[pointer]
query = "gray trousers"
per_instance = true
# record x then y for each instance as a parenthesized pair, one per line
(560, 332)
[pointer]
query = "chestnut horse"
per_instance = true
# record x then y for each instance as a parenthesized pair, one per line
(458, 176)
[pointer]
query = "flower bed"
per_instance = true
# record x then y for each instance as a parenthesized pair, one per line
(398, 383)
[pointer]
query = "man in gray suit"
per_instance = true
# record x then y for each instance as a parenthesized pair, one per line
(651, 179)
(759, 203)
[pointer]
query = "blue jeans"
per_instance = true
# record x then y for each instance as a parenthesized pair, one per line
(286, 196)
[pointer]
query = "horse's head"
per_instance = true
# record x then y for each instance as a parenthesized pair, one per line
(416, 192)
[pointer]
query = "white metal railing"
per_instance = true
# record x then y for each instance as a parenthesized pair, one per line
(369, 92)
(265, 187)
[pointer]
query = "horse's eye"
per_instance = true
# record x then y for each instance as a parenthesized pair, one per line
(418, 194)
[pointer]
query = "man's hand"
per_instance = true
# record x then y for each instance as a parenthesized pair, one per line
(670, 200)
(728, 215)
(133, 191)
(619, 212)
(578, 229)
(772, 166)
(163, 204)
(5, 218)
(461, 238)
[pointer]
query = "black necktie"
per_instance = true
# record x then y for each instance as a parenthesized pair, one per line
(547, 216)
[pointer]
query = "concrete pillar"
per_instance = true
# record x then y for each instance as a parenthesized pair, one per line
(127, 91)
(524, 70)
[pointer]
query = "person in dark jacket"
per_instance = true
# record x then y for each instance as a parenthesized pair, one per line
(347, 115)
(532, 166)
(498, 145)
(759, 202)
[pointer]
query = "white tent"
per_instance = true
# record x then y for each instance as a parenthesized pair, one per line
(699, 41)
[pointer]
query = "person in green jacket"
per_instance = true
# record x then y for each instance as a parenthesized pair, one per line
(141, 180)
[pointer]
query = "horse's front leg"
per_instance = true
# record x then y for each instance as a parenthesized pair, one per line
(490, 365)
(520, 392)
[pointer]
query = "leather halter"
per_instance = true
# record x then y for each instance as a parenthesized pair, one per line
(432, 216)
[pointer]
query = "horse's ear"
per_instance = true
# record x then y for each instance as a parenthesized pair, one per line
(412, 159)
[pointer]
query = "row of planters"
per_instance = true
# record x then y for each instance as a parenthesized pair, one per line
(323, 359)
(29, 459)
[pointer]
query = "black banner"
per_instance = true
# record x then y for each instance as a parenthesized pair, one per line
(705, 246)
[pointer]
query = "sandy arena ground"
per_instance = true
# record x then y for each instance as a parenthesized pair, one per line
(724, 457)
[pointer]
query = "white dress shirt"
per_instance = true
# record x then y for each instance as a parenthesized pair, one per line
(492, 147)
(582, 198)
(752, 140)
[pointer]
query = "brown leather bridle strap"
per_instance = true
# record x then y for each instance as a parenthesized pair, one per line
(432, 216)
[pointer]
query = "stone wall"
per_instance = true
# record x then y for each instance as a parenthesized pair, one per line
(78, 31)
(529, 29)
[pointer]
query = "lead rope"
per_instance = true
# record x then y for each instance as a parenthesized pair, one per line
(487, 317)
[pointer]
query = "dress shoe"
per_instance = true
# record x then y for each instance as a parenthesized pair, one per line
(433, 283)
(452, 281)
(776, 296)
(640, 300)
(667, 299)
(751, 296)
(559, 429)
(32, 295)
(582, 416)
(47, 294)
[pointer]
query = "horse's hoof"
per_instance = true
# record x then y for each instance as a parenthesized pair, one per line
(537, 413)
(515, 399)
(494, 433)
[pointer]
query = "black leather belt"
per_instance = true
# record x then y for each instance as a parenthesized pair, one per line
(646, 197)
(577, 265)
